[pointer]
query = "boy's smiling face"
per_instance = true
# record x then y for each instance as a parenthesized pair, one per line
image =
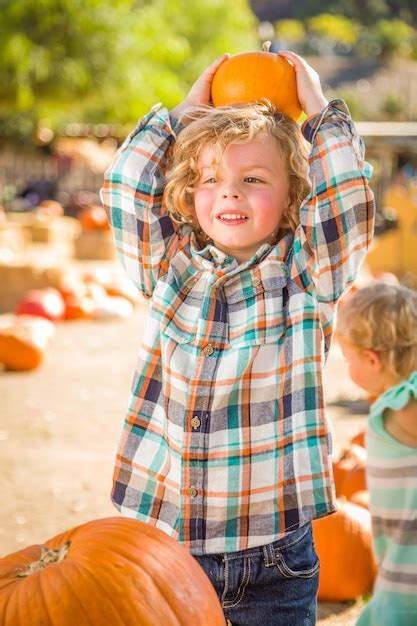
(239, 202)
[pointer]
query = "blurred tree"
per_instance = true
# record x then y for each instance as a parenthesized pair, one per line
(362, 11)
(291, 31)
(102, 60)
(393, 106)
(336, 28)
(394, 37)
(404, 9)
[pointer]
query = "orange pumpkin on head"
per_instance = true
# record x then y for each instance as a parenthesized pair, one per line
(254, 76)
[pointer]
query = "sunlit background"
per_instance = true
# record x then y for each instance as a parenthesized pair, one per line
(75, 75)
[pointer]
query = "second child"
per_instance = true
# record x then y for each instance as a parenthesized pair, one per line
(377, 331)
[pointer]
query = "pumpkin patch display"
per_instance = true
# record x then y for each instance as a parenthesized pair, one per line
(23, 341)
(255, 76)
(350, 471)
(343, 543)
(114, 571)
(46, 303)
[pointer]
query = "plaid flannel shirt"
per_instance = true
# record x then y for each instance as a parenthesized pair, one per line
(225, 445)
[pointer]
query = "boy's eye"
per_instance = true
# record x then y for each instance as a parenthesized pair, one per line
(209, 180)
(252, 179)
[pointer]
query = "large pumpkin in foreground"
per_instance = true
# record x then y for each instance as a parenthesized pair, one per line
(344, 546)
(108, 572)
(253, 76)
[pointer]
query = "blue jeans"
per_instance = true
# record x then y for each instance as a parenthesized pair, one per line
(268, 585)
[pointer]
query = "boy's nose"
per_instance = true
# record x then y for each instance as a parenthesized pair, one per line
(231, 191)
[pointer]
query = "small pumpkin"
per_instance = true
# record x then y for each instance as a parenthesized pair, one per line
(114, 284)
(254, 76)
(93, 217)
(343, 544)
(114, 571)
(23, 341)
(78, 307)
(49, 208)
(359, 438)
(46, 303)
(349, 471)
(361, 498)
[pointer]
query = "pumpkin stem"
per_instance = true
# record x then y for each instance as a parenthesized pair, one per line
(47, 557)
(265, 46)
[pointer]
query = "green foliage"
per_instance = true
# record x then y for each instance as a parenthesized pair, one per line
(110, 60)
(366, 12)
(292, 31)
(354, 104)
(361, 11)
(334, 27)
(393, 106)
(394, 37)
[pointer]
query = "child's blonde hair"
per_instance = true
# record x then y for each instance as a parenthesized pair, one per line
(234, 124)
(383, 318)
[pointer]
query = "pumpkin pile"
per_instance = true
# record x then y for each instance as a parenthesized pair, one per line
(113, 571)
(344, 540)
(255, 76)
(349, 471)
(343, 544)
(100, 294)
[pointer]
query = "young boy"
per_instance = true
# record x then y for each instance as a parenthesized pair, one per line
(226, 444)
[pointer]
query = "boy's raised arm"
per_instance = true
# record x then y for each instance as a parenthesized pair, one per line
(143, 231)
(144, 234)
(337, 218)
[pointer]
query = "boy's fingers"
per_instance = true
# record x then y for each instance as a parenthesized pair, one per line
(216, 64)
(296, 60)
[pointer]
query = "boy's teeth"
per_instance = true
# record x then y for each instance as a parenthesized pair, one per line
(232, 216)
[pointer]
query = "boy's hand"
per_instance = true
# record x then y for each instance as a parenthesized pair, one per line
(310, 93)
(199, 93)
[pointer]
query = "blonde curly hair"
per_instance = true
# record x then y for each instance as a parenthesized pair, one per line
(233, 124)
(383, 317)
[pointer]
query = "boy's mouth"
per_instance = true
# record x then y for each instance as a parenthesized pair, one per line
(232, 217)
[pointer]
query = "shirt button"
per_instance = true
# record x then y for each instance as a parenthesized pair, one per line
(195, 422)
(256, 281)
(208, 350)
(192, 283)
(192, 492)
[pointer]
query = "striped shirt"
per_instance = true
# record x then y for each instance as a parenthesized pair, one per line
(225, 445)
(392, 482)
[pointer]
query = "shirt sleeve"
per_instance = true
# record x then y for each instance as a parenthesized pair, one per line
(337, 218)
(144, 234)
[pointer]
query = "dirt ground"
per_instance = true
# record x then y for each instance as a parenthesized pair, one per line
(60, 424)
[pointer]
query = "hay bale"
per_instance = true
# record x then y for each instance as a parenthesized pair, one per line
(95, 245)
(19, 275)
(13, 238)
(47, 229)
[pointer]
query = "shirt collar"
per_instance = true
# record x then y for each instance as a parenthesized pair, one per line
(211, 257)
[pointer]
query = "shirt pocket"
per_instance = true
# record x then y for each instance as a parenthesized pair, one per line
(178, 308)
(256, 312)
